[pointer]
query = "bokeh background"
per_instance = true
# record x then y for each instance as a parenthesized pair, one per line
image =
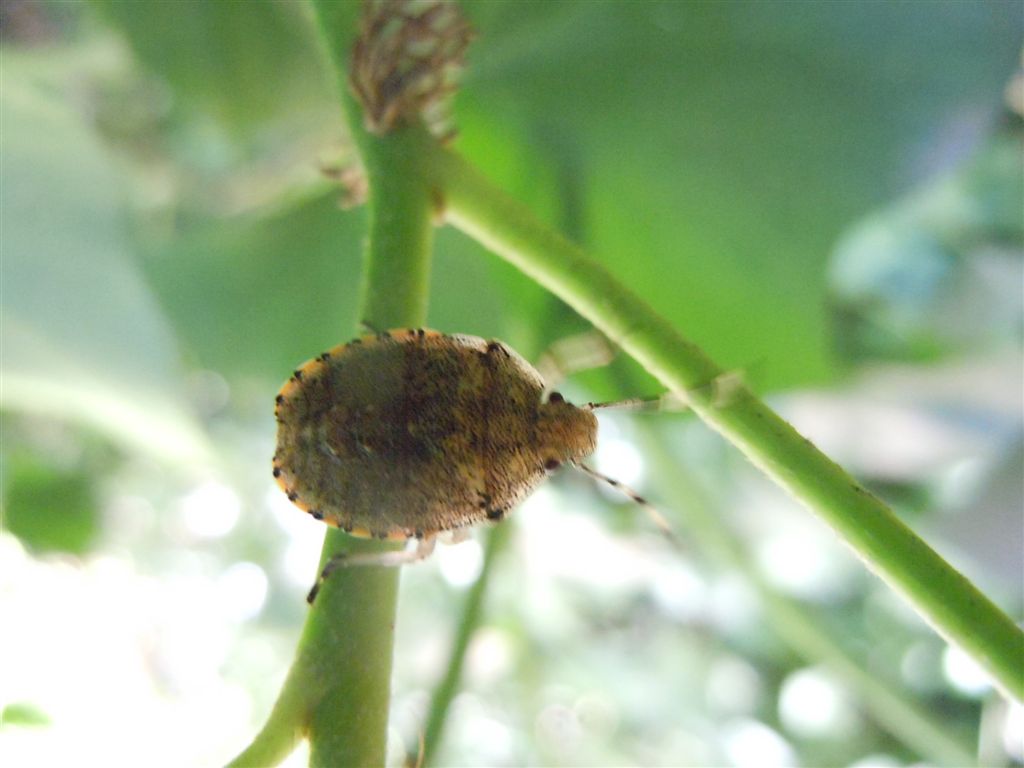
(826, 196)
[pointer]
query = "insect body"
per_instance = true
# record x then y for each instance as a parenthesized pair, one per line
(408, 433)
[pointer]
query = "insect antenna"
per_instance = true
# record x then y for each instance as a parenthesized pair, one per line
(668, 401)
(656, 517)
(723, 390)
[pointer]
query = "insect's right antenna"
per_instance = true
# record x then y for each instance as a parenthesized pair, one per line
(723, 389)
(656, 517)
(668, 401)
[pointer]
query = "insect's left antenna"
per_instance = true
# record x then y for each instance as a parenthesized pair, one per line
(656, 517)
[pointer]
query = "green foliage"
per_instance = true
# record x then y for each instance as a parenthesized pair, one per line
(936, 273)
(165, 223)
(239, 68)
(759, 135)
(250, 294)
(50, 510)
(22, 714)
(720, 148)
(83, 337)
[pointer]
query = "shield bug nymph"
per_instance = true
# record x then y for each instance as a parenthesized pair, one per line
(409, 433)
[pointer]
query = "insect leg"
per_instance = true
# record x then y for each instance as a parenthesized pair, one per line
(422, 549)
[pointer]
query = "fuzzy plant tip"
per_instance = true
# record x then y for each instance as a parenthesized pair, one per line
(406, 62)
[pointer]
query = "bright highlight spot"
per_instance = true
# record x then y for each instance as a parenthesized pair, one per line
(460, 564)
(299, 758)
(305, 538)
(680, 592)
(1013, 732)
(490, 656)
(242, 590)
(802, 565)
(877, 761)
(963, 672)
(812, 705)
(146, 654)
(750, 744)
(211, 510)
(620, 460)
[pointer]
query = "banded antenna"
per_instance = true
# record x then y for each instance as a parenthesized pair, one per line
(667, 401)
(656, 517)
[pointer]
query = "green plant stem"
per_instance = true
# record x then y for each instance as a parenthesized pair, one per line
(352, 622)
(943, 596)
(448, 686)
(337, 692)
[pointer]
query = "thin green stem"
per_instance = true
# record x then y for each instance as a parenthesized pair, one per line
(281, 733)
(472, 607)
(943, 596)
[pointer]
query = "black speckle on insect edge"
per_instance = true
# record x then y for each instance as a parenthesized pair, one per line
(297, 375)
(418, 533)
(325, 357)
(279, 399)
(293, 496)
(277, 471)
(317, 514)
(495, 514)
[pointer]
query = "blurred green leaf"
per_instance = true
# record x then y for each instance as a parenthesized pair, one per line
(21, 713)
(50, 509)
(239, 64)
(714, 151)
(253, 296)
(82, 336)
(722, 147)
(938, 271)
